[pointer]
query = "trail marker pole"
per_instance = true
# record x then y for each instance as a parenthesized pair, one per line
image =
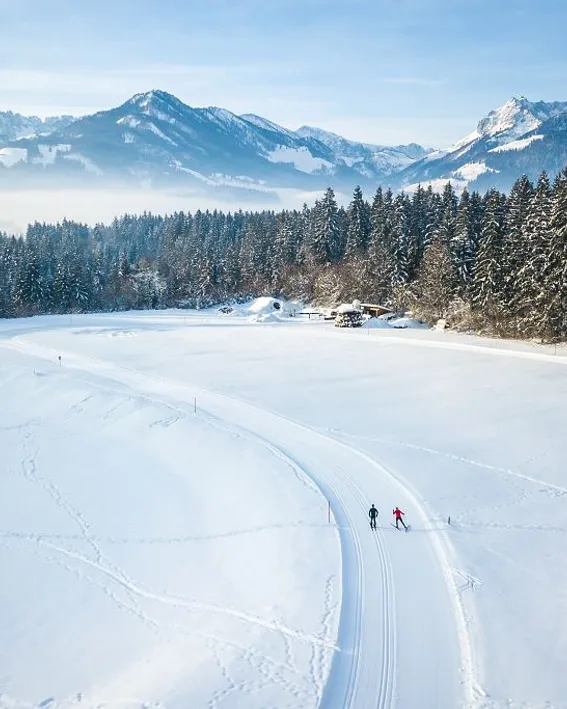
(329, 511)
(195, 406)
(449, 521)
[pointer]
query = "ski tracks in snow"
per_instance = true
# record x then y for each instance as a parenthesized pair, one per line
(364, 668)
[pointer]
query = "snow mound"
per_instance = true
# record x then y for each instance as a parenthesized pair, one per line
(377, 324)
(265, 317)
(348, 307)
(387, 322)
(264, 305)
(267, 309)
(409, 323)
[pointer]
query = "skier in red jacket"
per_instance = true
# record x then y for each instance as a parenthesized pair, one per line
(398, 514)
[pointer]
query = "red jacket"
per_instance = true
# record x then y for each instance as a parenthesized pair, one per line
(397, 513)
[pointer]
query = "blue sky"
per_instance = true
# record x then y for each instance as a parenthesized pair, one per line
(383, 71)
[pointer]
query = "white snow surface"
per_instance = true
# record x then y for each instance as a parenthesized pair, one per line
(516, 144)
(376, 324)
(387, 323)
(300, 158)
(156, 131)
(12, 156)
(152, 556)
(266, 124)
(49, 153)
(129, 121)
(349, 162)
(406, 322)
(472, 170)
(438, 185)
(267, 309)
(513, 118)
(506, 125)
(87, 163)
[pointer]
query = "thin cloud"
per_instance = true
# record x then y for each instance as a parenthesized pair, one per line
(408, 81)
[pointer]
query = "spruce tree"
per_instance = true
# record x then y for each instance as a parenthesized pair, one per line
(446, 228)
(398, 238)
(358, 233)
(553, 325)
(325, 231)
(515, 247)
(463, 242)
(528, 289)
(487, 277)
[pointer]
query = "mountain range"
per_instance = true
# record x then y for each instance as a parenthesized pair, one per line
(519, 137)
(156, 140)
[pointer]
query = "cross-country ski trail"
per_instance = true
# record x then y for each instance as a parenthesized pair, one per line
(402, 640)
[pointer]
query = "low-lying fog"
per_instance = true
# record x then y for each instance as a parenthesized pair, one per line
(18, 208)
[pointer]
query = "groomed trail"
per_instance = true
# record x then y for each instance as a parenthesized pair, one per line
(403, 640)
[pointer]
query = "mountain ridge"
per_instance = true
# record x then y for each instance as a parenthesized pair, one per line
(518, 137)
(155, 139)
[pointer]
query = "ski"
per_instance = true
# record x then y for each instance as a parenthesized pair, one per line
(407, 529)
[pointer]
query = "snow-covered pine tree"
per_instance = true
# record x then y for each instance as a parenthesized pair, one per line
(417, 229)
(446, 228)
(359, 226)
(553, 305)
(325, 231)
(398, 238)
(468, 227)
(487, 277)
(515, 250)
(8, 269)
(381, 272)
(434, 211)
(377, 217)
(30, 289)
(528, 290)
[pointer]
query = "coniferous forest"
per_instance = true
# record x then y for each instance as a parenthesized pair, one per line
(494, 263)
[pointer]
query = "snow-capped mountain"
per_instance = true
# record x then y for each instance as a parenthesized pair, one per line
(519, 137)
(157, 140)
(366, 158)
(14, 125)
(156, 137)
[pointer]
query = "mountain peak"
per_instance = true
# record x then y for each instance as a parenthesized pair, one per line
(518, 116)
(514, 115)
(155, 97)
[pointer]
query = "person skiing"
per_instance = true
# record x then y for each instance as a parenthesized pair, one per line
(398, 514)
(373, 514)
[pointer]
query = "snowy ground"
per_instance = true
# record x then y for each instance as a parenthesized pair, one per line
(151, 556)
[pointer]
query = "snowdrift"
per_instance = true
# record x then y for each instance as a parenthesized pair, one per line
(266, 309)
(389, 322)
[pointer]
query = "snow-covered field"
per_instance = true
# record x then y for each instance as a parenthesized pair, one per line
(164, 530)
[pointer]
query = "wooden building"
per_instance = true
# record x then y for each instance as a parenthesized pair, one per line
(374, 310)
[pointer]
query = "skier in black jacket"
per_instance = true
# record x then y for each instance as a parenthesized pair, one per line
(373, 514)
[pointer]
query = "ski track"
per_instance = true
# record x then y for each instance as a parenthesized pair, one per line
(558, 489)
(366, 633)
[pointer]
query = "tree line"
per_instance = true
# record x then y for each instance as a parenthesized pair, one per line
(493, 263)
